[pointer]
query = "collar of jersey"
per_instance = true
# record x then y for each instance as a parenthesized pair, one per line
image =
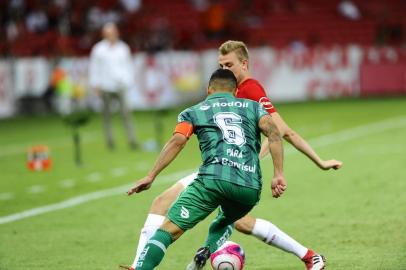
(218, 95)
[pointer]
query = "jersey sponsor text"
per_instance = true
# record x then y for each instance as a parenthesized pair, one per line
(238, 165)
(234, 153)
(231, 104)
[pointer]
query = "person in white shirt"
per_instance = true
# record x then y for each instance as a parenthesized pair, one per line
(111, 75)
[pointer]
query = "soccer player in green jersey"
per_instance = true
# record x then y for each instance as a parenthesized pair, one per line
(228, 130)
(233, 55)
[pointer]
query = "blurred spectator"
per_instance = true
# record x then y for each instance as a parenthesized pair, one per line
(71, 25)
(16, 8)
(62, 4)
(251, 14)
(62, 86)
(389, 33)
(77, 15)
(297, 46)
(58, 16)
(131, 6)
(349, 10)
(215, 21)
(12, 30)
(200, 5)
(159, 36)
(186, 40)
(111, 75)
(37, 21)
(67, 95)
(97, 17)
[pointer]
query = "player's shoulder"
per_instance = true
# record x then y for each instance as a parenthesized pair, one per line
(198, 109)
(99, 47)
(184, 115)
(251, 89)
(100, 44)
(246, 103)
(250, 83)
(201, 106)
(193, 111)
(122, 44)
(192, 108)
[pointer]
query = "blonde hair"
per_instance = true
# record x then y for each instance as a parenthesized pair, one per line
(236, 46)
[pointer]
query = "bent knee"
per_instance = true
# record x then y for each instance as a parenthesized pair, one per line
(161, 204)
(245, 225)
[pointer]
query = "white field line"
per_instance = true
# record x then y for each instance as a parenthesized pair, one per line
(141, 166)
(338, 137)
(6, 196)
(85, 198)
(359, 131)
(94, 177)
(67, 183)
(354, 133)
(35, 189)
(117, 172)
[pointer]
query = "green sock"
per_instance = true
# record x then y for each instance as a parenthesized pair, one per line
(219, 232)
(154, 251)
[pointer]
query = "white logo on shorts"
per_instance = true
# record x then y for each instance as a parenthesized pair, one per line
(184, 213)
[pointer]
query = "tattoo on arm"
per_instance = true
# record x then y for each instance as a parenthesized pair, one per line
(269, 129)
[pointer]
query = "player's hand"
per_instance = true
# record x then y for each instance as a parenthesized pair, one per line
(278, 186)
(331, 164)
(141, 185)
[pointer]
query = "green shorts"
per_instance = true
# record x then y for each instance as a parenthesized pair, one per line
(201, 198)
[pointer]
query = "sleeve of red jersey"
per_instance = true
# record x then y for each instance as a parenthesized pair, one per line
(258, 94)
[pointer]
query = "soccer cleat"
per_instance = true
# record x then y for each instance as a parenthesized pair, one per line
(126, 267)
(314, 261)
(199, 261)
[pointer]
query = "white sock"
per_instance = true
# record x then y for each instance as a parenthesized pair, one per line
(272, 235)
(152, 224)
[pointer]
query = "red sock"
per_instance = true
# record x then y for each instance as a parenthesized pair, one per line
(309, 254)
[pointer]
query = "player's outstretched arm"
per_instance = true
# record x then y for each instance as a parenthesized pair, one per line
(269, 129)
(300, 144)
(167, 155)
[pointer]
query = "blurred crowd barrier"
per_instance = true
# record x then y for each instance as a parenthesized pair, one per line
(170, 79)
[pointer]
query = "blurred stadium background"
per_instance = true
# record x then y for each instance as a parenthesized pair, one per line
(335, 69)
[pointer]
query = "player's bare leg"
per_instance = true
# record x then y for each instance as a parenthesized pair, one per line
(272, 235)
(161, 204)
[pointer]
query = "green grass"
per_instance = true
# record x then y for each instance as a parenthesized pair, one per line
(355, 216)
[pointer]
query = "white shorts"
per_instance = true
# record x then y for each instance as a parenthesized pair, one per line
(187, 180)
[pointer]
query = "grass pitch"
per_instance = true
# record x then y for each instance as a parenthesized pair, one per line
(354, 216)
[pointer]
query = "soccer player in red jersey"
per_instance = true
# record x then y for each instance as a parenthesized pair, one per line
(233, 55)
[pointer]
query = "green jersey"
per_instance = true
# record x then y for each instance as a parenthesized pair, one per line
(229, 138)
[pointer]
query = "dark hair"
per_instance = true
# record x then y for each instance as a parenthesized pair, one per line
(223, 80)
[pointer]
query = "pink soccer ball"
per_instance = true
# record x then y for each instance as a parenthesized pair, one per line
(230, 256)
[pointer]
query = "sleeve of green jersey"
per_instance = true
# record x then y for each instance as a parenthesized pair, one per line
(184, 116)
(261, 111)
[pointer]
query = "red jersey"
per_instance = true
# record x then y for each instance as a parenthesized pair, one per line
(252, 89)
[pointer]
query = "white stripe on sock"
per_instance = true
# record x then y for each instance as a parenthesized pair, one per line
(158, 244)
